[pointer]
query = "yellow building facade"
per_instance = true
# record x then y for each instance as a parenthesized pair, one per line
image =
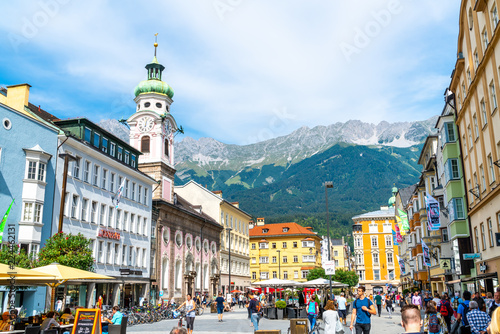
(285, 250)
(375, 253)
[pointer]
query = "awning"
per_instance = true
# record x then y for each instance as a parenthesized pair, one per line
(479, 277)
(453, 282)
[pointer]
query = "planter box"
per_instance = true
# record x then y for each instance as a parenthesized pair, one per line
(271, 313)
(292, 312)
(281, 313)
(302, 313)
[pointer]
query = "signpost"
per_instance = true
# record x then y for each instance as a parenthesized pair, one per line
(87, 321)
(445, 263)
(472, 256)
(329, 267)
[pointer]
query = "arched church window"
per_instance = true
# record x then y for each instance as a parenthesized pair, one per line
(158, 105)
(165, 146)
(145, 144)
(147, 104)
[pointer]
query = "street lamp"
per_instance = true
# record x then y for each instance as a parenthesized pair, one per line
(279, 264)
(229, 232)
(67, 157)
(328, 184)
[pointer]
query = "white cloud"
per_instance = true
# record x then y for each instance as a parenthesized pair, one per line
(230, 75)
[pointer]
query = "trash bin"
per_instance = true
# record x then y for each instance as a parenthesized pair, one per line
(299, 326)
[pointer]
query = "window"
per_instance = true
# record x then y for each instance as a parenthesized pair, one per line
(295, 258)
(132, 223)
(76, 168)
(165, 147)
(476, 237)
(109, 253)
(118, 219)
(359, 242)
(130, 251)
(74, 206)
(476, 127)
(264, 275)
(120, 153)
(254, 260)
(295, 274)
(275, 275)
(305, 273)
(483, 237)
(376, 274)
(253, 246)
(124, 256)
(493, 96)
(112, 149)
(469, 78)
(85, 204)
(295, 244)
(375, 258)
(125, 221)
(336, 253)
(263, 245)
(86, 171)
(390, 259)
(490, 232)
(444, 235)
(491, 168)
(145, 144)
(451, 170)
(273, 245)
(388, 240)
(139, 193)
(112, 182)
(117, 252)
(31, 170)
(126, 188)
(103, 215)
(127, 157)
(471, 142)
(374, 242)
(285, 259)
(274, 259)
(483, 113)
(483, 179)
(485, 39)
(254, 275)
(284, 244)
(104, 147)
(93, 212)
(285, 275)
(361, 275)
(308, 258)
(391, 274)
(307, 243)
(110, 216)
(96, 175)
(264, 259)
(97, 138)
(104, 178)
(494, 16)
(87, 135)
(463, 89)
(132, 196)
(476, 59)
(145, 196)
(359, 258)
(133, 161)
(100, 252)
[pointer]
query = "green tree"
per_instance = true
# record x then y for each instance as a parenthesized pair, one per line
(316, 273)
(21, 258)
(348, 277)
(67, 249)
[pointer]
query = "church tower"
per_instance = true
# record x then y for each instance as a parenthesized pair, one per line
(152, 129)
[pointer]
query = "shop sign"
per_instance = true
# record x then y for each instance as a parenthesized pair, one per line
(378, 289)
(445, 263)
(472, 256)
(124, 271)
(483, 267)
(87, 321)
(329, 267)
(103, 233)
(127, 271)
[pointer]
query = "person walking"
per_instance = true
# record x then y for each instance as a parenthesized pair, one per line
(312, 310)
(378, 302)
(254, 307)
(190, 306)
(427, 298)
(388, 305)
(433, 321)
(362, 310)
(220, 306)
(342, 308)
(456, 300)
(494, 304)
(478, 320)
(494, 327)
(446, 310)
(463, 309)
(417, 300)
(331, 318)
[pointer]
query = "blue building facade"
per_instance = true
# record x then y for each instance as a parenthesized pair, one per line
(28, 148)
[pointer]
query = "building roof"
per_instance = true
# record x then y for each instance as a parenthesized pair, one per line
(277, 230)
(375, 214)
(406, 193)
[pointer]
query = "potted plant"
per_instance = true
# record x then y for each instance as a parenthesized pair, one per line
(280, 306)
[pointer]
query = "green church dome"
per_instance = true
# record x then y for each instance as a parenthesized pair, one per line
(392, 200)
(153, 86)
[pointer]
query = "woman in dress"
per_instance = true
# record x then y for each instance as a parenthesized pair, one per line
(330, 318)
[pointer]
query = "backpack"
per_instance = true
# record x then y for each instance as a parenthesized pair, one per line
(434, 326)
(444, 308)
(464, 316)
(356, 306)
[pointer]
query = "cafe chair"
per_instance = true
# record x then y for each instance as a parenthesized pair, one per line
(32, 330)
(114, 329)
(124, 324)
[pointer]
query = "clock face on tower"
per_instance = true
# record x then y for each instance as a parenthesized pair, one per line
(145, 124)
(168, 127)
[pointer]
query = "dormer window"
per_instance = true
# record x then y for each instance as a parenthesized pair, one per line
(265, 230)
(285, 229)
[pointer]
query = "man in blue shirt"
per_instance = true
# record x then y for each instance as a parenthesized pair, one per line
(115, 320)
(362, 310)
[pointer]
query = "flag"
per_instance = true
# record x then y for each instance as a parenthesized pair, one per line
(403, 232)
(4, 220)
(432, 206)
(404, 220)
(399, 238)
(427, 256)
(118, 195)
(395, 240)
(401, 265)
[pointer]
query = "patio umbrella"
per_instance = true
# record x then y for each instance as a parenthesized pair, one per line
(236, 291)
(65, 273)
(322, 282)
(6, 272)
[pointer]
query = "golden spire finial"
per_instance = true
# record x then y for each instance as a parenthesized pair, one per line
(156, 42)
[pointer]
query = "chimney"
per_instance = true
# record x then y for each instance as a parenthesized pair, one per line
(218, 193)
(18, 96)
(236, 204)
(261, 221)
(309, 228)
(251, 225)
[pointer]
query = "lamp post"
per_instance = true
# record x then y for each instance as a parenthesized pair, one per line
(328, 184)
(229, 232)
(67, 157)
(279, 264)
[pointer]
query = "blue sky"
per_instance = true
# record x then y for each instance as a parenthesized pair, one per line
(242, 71)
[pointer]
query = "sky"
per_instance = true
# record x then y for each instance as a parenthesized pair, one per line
(242, 71)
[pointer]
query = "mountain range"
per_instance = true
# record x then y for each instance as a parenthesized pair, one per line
(282, 178)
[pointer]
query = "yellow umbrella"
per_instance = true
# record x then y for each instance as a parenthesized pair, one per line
(6, 272)
(64, 273)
